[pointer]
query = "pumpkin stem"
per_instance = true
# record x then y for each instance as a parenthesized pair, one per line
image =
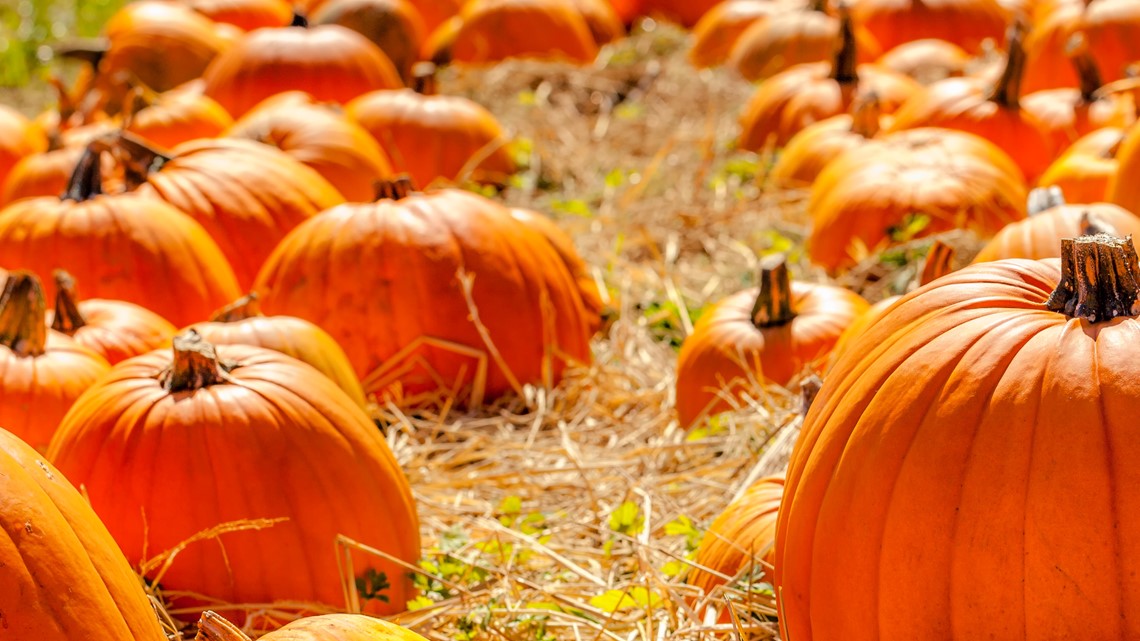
(245, 307)
(141, 159)
(213, 627)
(1007, 91)
(818, 5)
(939, 262)
(1099, 278)
(86, 181)
(843, 67)
(1078, 51)
(299, 20)
(1091, 225)
(396, 188)
(865, 117)
(23, 310)
(1043, 199)
(67, 319)
(423, 78)
(196, 365)
(809, 389)
(773, 305)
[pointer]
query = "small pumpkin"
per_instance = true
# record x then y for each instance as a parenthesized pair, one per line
(927, 60)
(170, 119)
(162, 44)
(766, 334)
(809, 151)
(684, 12)
(246, 15)
(284, 441)
(1084, 171)
(965, 23)
(329, 627)
(18, 139)
(1047, 63)
(437, 12)
(242, 323)
(42, 174)
(42, 372)
(64, 576)
(392, 25)
(718, 30)
(493, 30)
(604, 24)
(114, 329)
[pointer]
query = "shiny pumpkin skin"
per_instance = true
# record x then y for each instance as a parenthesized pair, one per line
(1047, 66)
(425, 239)
(958, 180)
(117, 330)
(1084, 171)
(717, 32)
(966, 23)
(728, 353)
(966, 465)
(603, 22)
(164, 44)
(790, 38)
(392, 25)
(282, 439)
(64, 576)
(808, 152)
(43, 174)
(435, 137)
(1123, 188)
(246, 195)
(246, 15)
(865, 321)
(330, 62)
(1112, 27)
(179, 117)
(18, 139)
(495, 30)
(341, 151)
(437, 12)
(1039, 236)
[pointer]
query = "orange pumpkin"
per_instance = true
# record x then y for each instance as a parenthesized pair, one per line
(528, 303)
(113, 329)
(966, 23)
(246, 15)
(927, 60)
(493, 30)
(246, 195)
(284, 441)
(64, 576)
(329, 627)
(766, 334)
(1084, 171)
(993, 112)
(437, 12)
(18, 139)
(392, 25)
(432, 137)
(1012, 373)
(41, 372)
(809, 151)
(330, 62)
(340, 150)
(127, 247)
(1112, 28)
(909, 184)
(177, 117)
(242, 323)
(791, 100)
(718, 31)
(604, 24)
(1123, 188)
(43, 174)
(791, 38)
(1047, 63)
(163, 44)
(685, 12)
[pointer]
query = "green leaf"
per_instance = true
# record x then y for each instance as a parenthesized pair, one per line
(572, 207)
(419, 603)
(673, 569)
(635, 597)
(627, 519)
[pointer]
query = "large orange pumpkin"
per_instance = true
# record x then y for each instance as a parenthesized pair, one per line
(43, 174)
(114, 329)
(966, 23)
(41, 372)
(910, 184)
(717, 32)
(494, 30)
(64, 576)
(242, 323)
(246, 15)
(163, 44)
(282, 439)
(18, 139)
(245, 194)
(329, 627)
(414, 334)
(1084, 171)
(127, 247)
(432, 137)
(330, 62)
(392, 25)
(338, 149)
(809, 151)
(1009, 374)
(766, 334)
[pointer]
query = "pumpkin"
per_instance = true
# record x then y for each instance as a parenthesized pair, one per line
(392, 25)
(1007, 374)
(41, 372)
(765, 334)
(1047, 63)
(113, 329)
(413, 337)
(162, 44)
(1085, 169)
(992, 111)
(685, 12)
(168, 120)
(604, 24)
(437, 48)
(1123, 188)
(437, 12)
(908, 184)
(791, 100)
(340, 150)
(242, 323)
(717, 32)
(927, 60)
(966, 23)
(330, 62)
(1039, 236)
(42, 174)
(64, 576)
(809, 151)
(329, 627)
(284, 441)
(790, 38)
(741, 539)
(127, 247)
(1112, 28)
(245, 194)
(246, 15)
(432, 137)
(18, 139)
(494, 30)
(1067, 114)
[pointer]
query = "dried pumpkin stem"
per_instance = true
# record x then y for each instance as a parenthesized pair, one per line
(1007, 91)
(140, 160)
(397, 188)
(213, 627)
(86, 181)
(1085, 65)
(299, 20)
(23, 328)
(939, 262)
(1100, 279)
(843, 67)
(1091, 225)
(1042, 199)
(865, 117)
(423, 78)
(196, 365)
(773, 305)
(247, 306)
(67, 319)
(809, 389)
